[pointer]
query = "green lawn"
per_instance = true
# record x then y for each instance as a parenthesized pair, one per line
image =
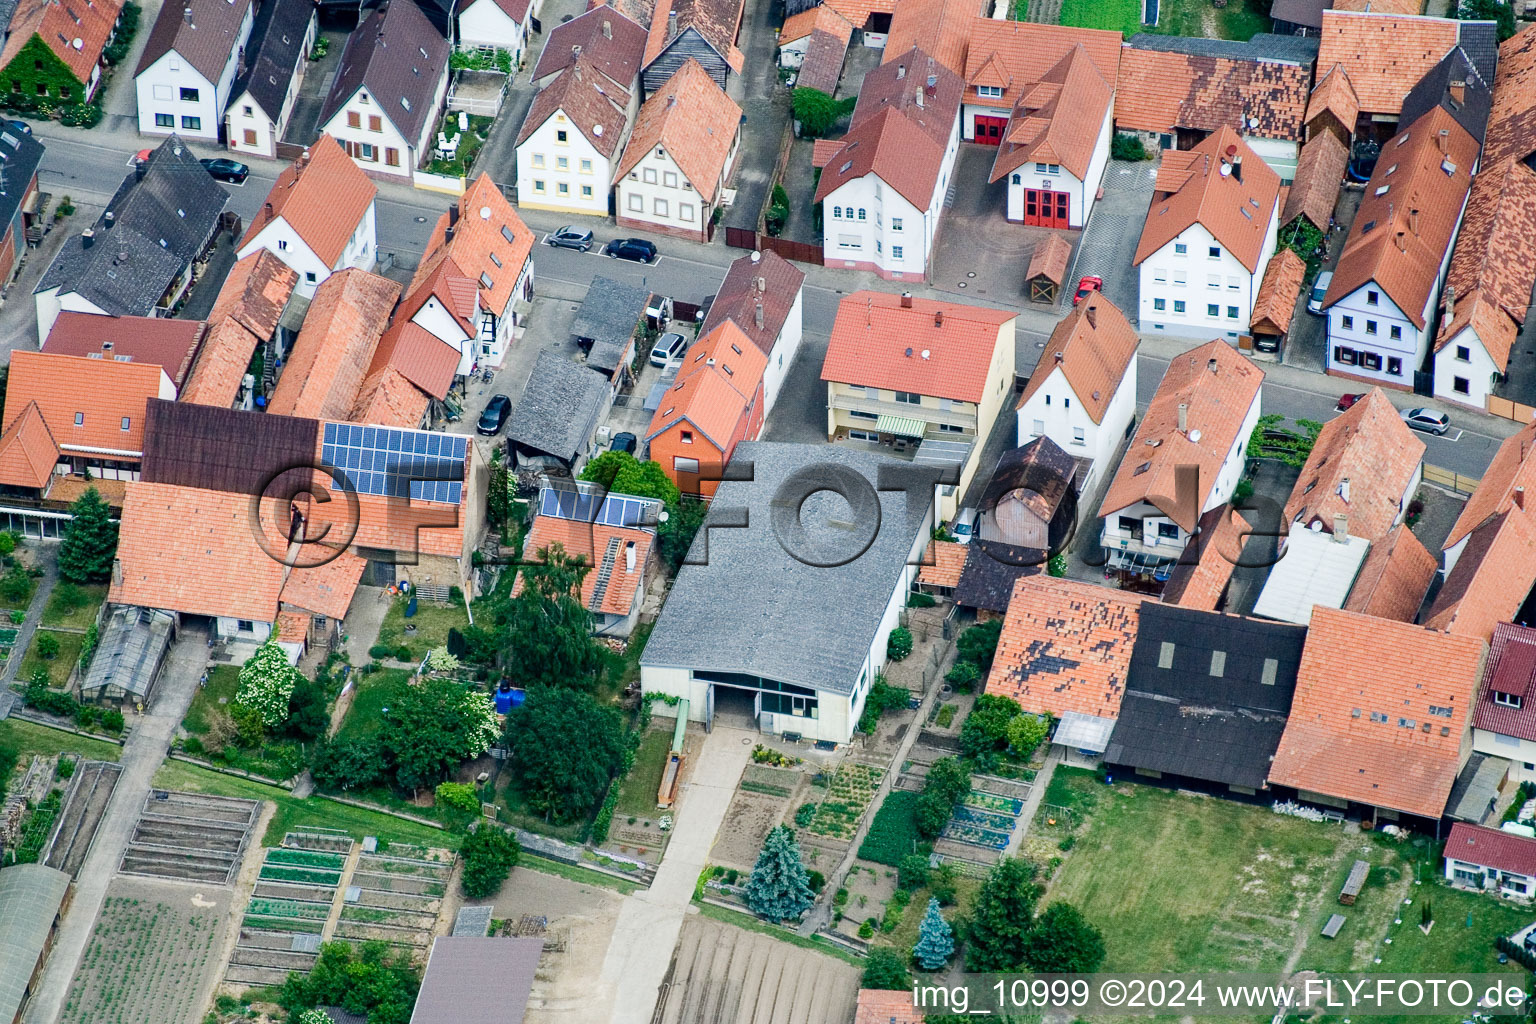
(904, 935)
(637, 792)
(432, 622)
(27, 739)
(1240, 19)
(292, 812)
(1189, 883)
(223, 684)
(61, 665)
(374, 693)
(78, 614)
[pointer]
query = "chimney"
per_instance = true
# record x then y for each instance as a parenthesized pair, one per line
(762, 285)
(1413, 221)
(671, 25)
(1344, 488)
(1183, 417)
(938, 318)
(1341, 528)
(1402, 241)
(1091, 314)
(117, 571)
(1458, 92)
(919, 95)
(1450, 302)
(453, 214)
(1210, 364)
(629, 556)
(607, 29)
(267, 209)
(1059, 358)
(139, 168)
(447, 236)
(758, 315)
(107, 220)
(87, 238)
(901, 72)
(906, 300)
(1442, 139)
(1518, 497)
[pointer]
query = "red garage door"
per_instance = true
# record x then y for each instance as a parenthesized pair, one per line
(1046, 209)
(989, 130)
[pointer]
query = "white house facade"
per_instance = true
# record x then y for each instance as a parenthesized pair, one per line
(489, 25)
(656, 195)
(1464, 371)
(1037, 192)
(285, 242)
(560, 169)
(1370, 338)
(871, 226)
(1056, 411)
(371, 138)
(782, 356)
(1196, 287)
(174, 96)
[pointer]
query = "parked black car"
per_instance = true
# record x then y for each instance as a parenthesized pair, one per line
(495, 415)
(20, 126)
(571, 237)
(636, 249)
(232, 171)
(624, 442)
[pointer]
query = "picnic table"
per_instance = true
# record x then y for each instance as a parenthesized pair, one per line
(1354, 883)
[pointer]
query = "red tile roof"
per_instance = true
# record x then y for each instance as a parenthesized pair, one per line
(1275, 303)
(1512, 468)
(942, 28)
(419, 356)
(953, 346)
(58, 25)
(1511, 670)
(1410, 210)
(858, 11)
(1065, 646)
(1336, 95)
(160, 341)
(1360, 680)
(591, 541)
(325, 370)
(694, 121)
(28, 452)
(1201, 583)
(1218, 385)
(1094, 345)
(739, 300)
(245, 314)
(1385, 54)
(942, 563)
(1394, 578)
(1010, 54)
(203, 33)
(1057, 119)
(1319, 176)
(716, 387)
(322, 199)
(593, 105)
(1492, 578)
(799, 26)
(98, 393)
(1360, 467)
(388, 399)
(1235, 208)
(901, 83)
(490, 243)
(1159, 90)
(604, 35)
(1049, 259)
(877, 1006)
(324, 589)
(1491, 848)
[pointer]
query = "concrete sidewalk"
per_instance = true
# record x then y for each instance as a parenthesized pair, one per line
(142, 754)
(646, 933)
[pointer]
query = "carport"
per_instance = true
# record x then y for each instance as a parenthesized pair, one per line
(1048, 269)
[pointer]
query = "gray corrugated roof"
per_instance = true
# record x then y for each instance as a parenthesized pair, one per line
(805, 624)
(161, 222)
(130, 650)
(470, 978)
(607, 318)
(1264, 46)
(559, 408)
(30, 897)
(276, 48)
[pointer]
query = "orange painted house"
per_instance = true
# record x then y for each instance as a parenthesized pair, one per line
(716, 402)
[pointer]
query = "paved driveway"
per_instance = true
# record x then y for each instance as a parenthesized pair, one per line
(1109, 244)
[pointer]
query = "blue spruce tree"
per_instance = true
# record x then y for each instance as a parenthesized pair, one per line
(779, 890)
(935, 939)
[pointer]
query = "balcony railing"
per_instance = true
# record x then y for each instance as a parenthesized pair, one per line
(926, 413)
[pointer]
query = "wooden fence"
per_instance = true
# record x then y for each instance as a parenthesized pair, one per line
(1449, 480)
(803, 252)
(1510, 410)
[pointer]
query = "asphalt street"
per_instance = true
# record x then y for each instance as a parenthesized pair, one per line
(90, 165)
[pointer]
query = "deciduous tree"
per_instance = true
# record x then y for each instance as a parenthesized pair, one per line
(267, 681)
(566, 748)
(434, 726)
(885, 970)
(1001, 919)
(1063, 942)
(489, 857)
(547, 631)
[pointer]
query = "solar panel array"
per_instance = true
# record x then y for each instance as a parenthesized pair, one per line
(590, 507)
(397, 463)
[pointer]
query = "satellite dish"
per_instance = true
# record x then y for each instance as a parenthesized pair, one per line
(485, 213)
(909, 353)
(926, 353)
(1317, 526)
(1194, 436)
(1226, 170)
(756, 256)
(78, 43)
(597, 130)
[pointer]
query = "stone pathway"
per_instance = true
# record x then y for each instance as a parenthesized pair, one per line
(1032, 802)
(646, 933)
(142, 754)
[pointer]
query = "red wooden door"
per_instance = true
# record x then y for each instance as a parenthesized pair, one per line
(989, 130)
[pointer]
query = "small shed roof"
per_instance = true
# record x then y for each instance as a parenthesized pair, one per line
(30, 898)
(608, 318)
(1050, 260)
(559, 408)
(130, 651)
(1276, 301)
(1084, 732)
(479, 979)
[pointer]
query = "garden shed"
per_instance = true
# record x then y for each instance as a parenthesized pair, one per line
(133, 646)
(1048, 269)
(31, 899)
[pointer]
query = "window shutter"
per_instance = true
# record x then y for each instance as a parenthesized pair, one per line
(354, 119)
(392, 157)
(375, 123)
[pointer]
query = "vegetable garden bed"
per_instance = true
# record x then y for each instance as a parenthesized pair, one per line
(305, 876)
(306, 858)
(975, 835)
(852, 788)
(986, 819)
(993, 802)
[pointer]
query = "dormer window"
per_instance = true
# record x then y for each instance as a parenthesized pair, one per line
(1508, 700)
(989, 91)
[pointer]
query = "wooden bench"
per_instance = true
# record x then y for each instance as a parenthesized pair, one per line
(1331, 929)
(1354, 883)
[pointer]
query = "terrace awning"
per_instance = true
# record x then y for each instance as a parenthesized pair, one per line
(902, 426)
(1084, 732)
